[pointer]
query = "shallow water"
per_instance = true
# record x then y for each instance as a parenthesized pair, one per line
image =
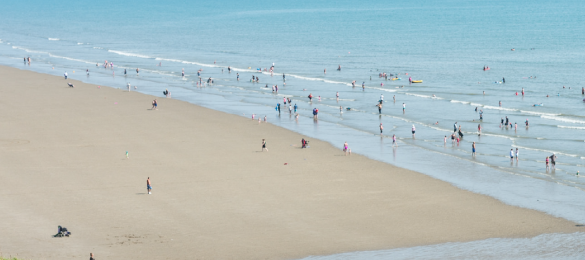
(444, 43)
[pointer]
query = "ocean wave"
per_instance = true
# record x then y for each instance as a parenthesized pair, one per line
(563, 119)
(53, 39)
(422, 96)
(572, 127)
(98, 48)
(318, 79)
(383, 89)
(538, 113)
(27, 50)
(460, 102)
(548, 151)
(190, 62)
(130, 54)
(501, 108)
(72, 59)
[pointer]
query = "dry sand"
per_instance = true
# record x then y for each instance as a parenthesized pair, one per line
(216, 195)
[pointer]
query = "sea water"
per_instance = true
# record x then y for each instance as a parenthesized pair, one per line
(444, 43)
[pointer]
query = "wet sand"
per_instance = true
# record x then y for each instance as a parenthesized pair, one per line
(215, 194)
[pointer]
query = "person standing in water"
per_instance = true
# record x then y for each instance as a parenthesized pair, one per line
(296, 108)
(503, 80)
(137, 71)
(394, 143)
(381, 98)
(517, 152)
(394, 97)
(473, 149)
(413, 131)
(379, 105)
(403, 108)
(381, 128)
(124, 72)
(264, 145)
(511, 155)
(65, 74)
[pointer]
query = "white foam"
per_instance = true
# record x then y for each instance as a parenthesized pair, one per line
(130, 54)
(563, 119)
(53, 39)
(383, 89)
(461, 102)
(538, 113)
(572, 127)
(27, 50)
(72, 59)
(500, 108)
(318, 79)
(422, 96)
(99, 48)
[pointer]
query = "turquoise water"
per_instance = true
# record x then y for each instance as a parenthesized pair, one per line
(444, 43)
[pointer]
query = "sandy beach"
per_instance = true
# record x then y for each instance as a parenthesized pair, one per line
(215, 194)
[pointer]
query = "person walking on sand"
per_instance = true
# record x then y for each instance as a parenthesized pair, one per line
(264, 145)
(148, 186)
(65, 74)
(346, 149)
(473, 149)
(154, 105)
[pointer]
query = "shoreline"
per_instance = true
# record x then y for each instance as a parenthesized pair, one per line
(320, 203)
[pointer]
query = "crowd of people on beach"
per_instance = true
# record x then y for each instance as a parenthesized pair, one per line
(456, 137)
